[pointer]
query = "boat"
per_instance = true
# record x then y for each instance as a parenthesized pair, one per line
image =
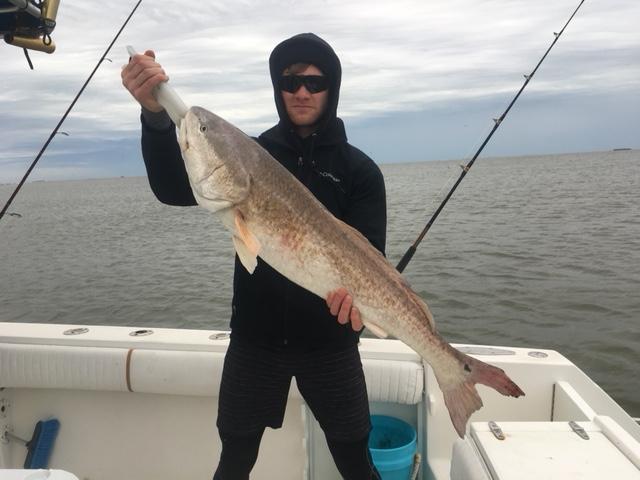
(141, 403)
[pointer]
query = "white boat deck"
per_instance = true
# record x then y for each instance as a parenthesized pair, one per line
(143, 406)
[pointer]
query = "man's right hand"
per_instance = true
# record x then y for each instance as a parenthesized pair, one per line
(340, 305)
(140, 76)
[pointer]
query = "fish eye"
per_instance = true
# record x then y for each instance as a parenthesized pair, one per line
(203, 128)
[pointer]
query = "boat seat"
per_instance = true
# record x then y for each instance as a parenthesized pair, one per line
(551, 450)
(195, 373)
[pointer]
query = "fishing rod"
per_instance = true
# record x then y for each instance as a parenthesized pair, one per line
(406, 258)
(64, 117)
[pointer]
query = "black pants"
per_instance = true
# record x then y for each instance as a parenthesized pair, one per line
(239, 455)
(253, 395)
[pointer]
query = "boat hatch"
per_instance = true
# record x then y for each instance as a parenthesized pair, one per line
(590, 450)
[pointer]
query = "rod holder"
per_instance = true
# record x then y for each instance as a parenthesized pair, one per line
(50, 10)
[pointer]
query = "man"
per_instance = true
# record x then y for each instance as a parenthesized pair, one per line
(280, 330)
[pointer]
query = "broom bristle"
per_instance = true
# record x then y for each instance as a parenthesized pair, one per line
(41, 444)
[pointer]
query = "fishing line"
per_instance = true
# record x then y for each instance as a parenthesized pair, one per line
(452, 169)
(406, 258)
(64, 117)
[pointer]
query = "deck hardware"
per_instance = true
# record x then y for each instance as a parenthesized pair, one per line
(4, 406)
(128, 371)
(579, 430)
(76, 331)
(141, 333)
(219, 336)
(7, 435)
(536, 354)
(496, 430)
(4, 434)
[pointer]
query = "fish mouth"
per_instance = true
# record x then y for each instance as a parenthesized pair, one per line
(182, 136)
(206, 177)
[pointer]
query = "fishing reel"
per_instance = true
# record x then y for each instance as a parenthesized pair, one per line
(28, 25)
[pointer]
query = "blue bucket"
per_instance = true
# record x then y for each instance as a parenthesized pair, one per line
(392, 443)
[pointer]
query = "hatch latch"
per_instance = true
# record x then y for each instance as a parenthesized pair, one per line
(579, 430)
(496, 430)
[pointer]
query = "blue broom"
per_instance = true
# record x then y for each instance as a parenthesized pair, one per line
(41, 444)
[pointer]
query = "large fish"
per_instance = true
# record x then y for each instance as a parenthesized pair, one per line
(272, 215)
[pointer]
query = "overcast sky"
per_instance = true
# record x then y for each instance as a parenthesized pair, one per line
(421, 79)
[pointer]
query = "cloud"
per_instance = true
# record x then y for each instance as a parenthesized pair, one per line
(399, 59)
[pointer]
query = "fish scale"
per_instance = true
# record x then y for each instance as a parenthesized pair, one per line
(272, 215)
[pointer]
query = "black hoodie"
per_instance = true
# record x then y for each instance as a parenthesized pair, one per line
(267, 308)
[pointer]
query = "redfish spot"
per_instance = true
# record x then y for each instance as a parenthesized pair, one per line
(290, 241)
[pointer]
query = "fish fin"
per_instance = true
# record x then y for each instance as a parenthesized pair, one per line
(462, 399)
(247, 258)
(491, 376)
(251, 243)
(376, 330)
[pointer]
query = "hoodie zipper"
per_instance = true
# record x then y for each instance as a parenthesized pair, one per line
(306, 181)
(312, 167)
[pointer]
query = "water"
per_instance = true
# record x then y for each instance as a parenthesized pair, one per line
(540, 252)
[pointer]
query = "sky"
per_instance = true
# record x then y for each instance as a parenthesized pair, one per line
(422, 79)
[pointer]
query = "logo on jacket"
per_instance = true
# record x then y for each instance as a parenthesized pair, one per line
(330, 176)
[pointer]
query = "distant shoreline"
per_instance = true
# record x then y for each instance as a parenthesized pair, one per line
(482, 158)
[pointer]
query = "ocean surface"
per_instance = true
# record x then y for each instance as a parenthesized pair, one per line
(541, 252)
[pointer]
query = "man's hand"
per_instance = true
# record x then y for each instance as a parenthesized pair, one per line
(140, 76)
(340, 303)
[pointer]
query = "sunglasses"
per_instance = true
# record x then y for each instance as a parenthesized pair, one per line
(313, 83)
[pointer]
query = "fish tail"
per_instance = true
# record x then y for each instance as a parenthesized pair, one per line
(493, 377)
(462, 398)
(461, 401)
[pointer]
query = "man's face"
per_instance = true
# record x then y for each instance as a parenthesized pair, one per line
(304, 108)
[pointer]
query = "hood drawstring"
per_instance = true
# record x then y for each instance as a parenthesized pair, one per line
(311, 162)
(305, 168)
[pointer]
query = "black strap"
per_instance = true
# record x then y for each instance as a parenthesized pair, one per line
(26, 54)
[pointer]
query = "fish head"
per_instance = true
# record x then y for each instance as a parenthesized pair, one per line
(213, 159)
